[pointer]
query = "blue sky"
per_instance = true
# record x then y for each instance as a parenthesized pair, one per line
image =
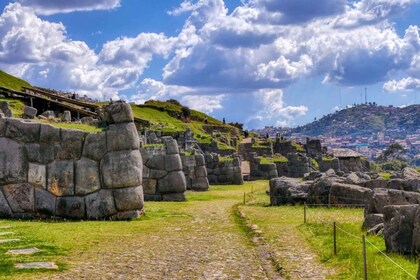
(259, 62)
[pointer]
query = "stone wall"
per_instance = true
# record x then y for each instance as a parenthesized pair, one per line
(47, 171)
(163, 178)
(354, 164)
(223, 172)
(259, 170)
(246, 149)
(330, 163)
(194, 168)
(298, 164)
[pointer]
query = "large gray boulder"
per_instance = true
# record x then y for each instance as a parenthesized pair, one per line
(71, 144)
(320, 190)
(20, 197)
(23, 131)
(37, 175)
(95, 146)
(87, 176)
(13, 164)
(42, 153)
(70, 207)
(398, 228)
(44, 203)
(174, 182)
(66, 116)
(129, 198)
(29, 112)
(348, 194)
(200, 184)
(122, 169)
(371, 220)
(379, 198)
(100, 205)
(60, 178)
(173, 162)
(172, 147)
(119, 112)
(5, 211)
(122, 136)
(49, 134)
(286, 190)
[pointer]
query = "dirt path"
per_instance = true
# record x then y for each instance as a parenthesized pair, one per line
(204, 242)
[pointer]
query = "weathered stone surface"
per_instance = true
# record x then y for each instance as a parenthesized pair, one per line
(60, 178)
(129, 198)
(348, 194)
(37, 175)
(13, 165)
(312, 175)
(157, 174)
(199, 159)
(173, 162)
(121, 137)
(44, 202)
(156, 162)
(380, 198)
(49, 134)
(416, 232)
(22, 131)
(36, 265)
(120, 112)
(174, 182)
(200, 171)
(174, 197)
(122, 169)
(398, 228)
(23, 251)
(87, 176)
(238, 179)
(372, 220)
(95, 146)
(149, 186)
(286, 190)
(71, 207)
(200, 184)
(29, 112)
(5, 211)
(41, 153)
(376, 183)
(48, 114)
(100, 205)
(71, 144)
(127, 215)
(3, 126)
(172, 147)
(66, 117)
(20, 197)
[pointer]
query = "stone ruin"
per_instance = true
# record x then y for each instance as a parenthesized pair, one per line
(223, 171)
(260, 170)
(47, 171)
(163, 178)
(194, 167)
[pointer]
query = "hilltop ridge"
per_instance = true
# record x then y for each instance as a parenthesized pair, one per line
(365, 119)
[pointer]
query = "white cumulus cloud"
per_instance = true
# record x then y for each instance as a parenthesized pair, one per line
(49, 7)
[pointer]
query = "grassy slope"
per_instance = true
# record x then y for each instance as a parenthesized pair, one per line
(9, 81)
(161, 117)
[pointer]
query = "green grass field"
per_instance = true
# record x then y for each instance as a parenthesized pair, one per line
(9, 81)
(193, 225)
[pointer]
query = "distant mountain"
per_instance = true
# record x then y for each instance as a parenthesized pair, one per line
(365, 119)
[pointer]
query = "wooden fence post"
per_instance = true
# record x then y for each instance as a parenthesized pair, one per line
(304, 213)
(335, 239)
(364, 258)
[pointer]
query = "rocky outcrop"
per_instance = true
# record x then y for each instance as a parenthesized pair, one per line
(47, 171)
(401, 228)
(286, 190)
(222, 172)
(163, 178)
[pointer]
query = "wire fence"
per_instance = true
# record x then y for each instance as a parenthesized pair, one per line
(362, 238)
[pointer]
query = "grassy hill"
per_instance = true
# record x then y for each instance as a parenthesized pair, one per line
(171, 117)
(9, 81)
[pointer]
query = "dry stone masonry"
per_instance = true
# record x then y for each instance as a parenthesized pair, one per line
(47, 171)
(223, 171)
(195, 172)
(163, 178)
